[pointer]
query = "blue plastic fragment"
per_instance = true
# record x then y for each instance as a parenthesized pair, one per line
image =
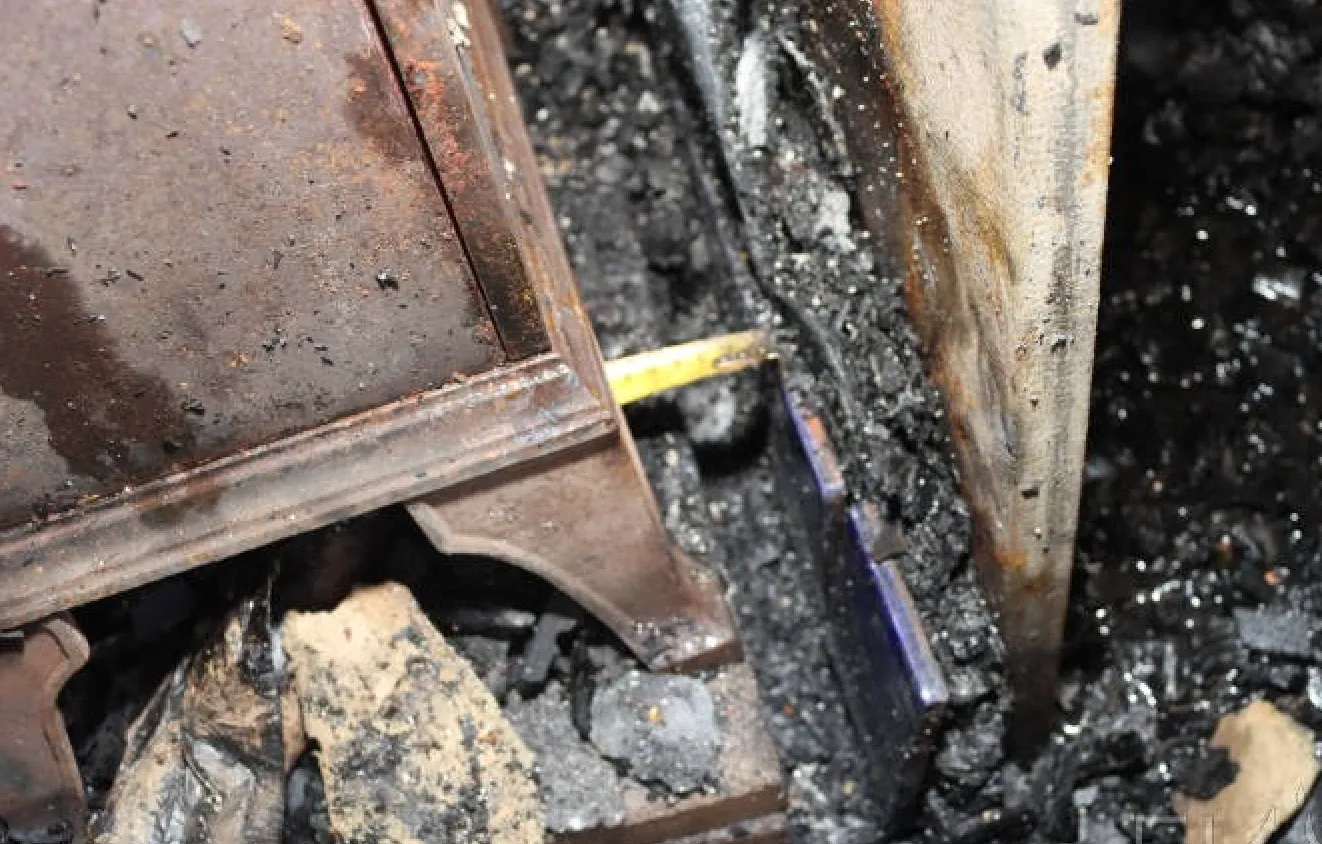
(894, 686)
(884, 595)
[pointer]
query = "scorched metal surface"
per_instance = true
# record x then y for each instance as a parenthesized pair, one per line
(263, 269)
(194, 260)
(266, 269)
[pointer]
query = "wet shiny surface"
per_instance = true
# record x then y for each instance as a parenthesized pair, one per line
(217, 228)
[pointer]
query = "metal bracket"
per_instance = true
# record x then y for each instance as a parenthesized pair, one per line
(40, 788)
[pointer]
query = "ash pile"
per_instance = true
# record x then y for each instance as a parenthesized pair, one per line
(373, 690)
(702, 184)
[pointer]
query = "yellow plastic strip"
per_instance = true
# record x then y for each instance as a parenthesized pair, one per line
(648, 373)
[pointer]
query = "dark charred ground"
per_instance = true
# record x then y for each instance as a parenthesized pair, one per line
(1199, 516)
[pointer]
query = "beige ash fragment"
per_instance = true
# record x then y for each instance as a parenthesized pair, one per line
(1276, 773)
(413, 747)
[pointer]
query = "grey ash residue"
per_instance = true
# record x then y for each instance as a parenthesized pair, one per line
(579, 790)
(661, 729)
(1200, 497)
(677, 230)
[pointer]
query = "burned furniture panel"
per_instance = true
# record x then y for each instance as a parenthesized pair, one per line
(248, 290)
(208, 243)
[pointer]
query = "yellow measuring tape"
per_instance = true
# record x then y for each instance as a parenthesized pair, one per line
(648, 373)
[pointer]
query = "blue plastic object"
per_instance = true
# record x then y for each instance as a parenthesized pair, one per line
(895, 688)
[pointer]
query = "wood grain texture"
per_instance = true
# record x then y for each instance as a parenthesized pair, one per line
(982, 129)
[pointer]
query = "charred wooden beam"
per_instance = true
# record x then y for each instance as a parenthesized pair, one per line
(981, 131)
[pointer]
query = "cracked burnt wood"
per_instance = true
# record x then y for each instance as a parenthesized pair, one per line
(982, 131)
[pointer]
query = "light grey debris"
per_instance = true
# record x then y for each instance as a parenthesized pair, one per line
(1285, 285)
(967, 685)
(190, 31)
(711, 411)
(1281, 632)
(833, 225)
(663, 728)
(818, 212)
(579, 790)
(560, 616)
(698, 25)
(847, 829)
(752, 93)
(490, 659)
(1315, 687)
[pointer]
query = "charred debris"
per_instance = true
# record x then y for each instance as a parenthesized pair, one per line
(701, 186)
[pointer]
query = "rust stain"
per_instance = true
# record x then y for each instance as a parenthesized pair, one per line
(959, 313)
(374, 107)
(454, 118)
(443, 119)
(1097, 156)
(199, 494)
(108, 420)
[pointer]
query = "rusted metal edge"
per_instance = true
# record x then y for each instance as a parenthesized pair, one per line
(425, 42)
(538, 238)
(581, 519)
(298, 484)
(696, 626)
(41, 791)
(548, 265)
(542, 248)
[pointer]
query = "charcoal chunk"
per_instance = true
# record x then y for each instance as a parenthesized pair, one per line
(1279, 632)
